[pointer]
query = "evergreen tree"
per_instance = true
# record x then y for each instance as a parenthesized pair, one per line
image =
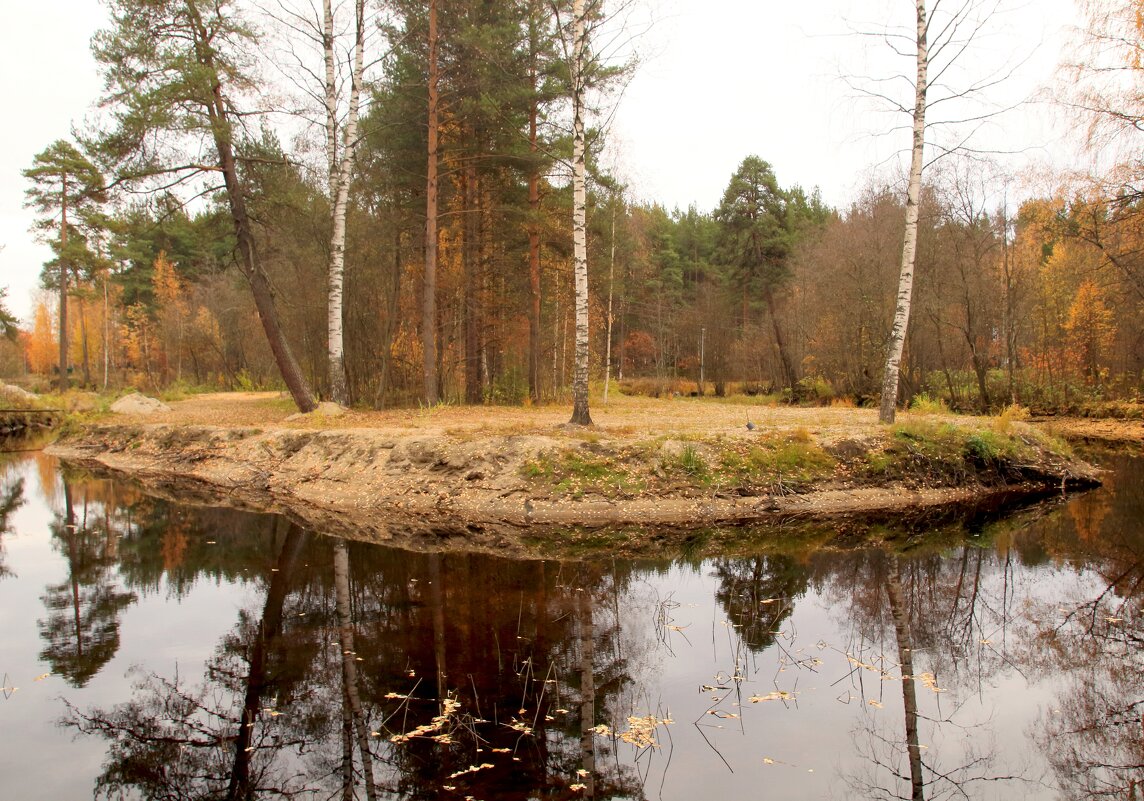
(64, 182)
(176, 72)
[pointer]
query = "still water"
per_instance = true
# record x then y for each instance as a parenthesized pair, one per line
(155, 650)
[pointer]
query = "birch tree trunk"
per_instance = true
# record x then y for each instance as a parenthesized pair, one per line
(611, 280)
(340, 173)
(580, 415)
(910, 240)
(909, 689)
(429, 285)
(352, 695)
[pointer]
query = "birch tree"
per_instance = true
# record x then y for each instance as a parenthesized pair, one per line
(897, 341)
(340, 176)
(323, 31)
(939, 45)
(175, 73)
(579, 64)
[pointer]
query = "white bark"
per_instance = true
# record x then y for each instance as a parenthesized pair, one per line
(611, 279)
(580, 414)
(910, 240)
(340, 176)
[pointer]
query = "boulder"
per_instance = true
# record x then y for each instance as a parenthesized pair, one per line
(138, 404)
(16, 393)
(323, 409)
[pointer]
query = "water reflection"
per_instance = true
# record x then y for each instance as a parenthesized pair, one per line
(1003, 663)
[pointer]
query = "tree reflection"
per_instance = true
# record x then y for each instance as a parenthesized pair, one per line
(1093, 633)
(915, 619)
(11, 499)
(221, 738)
(81, 631)
(758, 594)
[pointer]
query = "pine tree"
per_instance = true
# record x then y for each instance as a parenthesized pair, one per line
(64, 182)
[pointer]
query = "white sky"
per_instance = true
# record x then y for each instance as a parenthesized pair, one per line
(720, 80)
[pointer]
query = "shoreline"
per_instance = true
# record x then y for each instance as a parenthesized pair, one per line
(485, 490)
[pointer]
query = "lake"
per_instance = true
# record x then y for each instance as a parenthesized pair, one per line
(157, 650)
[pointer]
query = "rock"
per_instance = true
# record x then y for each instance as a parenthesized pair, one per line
(323, 409)
(138, 404)
(16, 393)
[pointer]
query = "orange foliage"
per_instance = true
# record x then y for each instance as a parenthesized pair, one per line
(43, 350)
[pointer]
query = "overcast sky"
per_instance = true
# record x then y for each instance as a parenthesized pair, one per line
(718, 80)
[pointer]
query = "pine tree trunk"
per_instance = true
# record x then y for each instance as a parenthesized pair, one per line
(63, 380)
(429, 285)
(471, 303)
(260, 286)
(790, 375)
(580, 414)
(534, 224)
(910, 240)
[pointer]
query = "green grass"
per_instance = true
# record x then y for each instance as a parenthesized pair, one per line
(792, 461)
(575, 472)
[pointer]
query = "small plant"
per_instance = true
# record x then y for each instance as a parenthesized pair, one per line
(691, 462)
(1004, 421)
(923, 403)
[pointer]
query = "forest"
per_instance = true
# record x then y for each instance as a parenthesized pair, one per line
(434, 223)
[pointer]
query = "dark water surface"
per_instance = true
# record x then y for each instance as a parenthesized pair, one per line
(160, 651)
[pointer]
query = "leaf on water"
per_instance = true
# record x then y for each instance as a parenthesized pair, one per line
(581, 773)
(396, 695)
(471, 769)
(577, 787)
(42, 676)
(375, 734)
(875, 704)
(930, 681)
(721, 714)
(501, 750)
(987, 642)
(768, 761)
(602, 730)
(1114, 619)
(776, 695)
(449, 787)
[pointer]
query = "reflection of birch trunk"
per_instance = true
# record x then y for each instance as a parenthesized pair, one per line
(74, 557)
(437, 599)
(269, 629)
(352, 695)
(587, 692)
(909, 690)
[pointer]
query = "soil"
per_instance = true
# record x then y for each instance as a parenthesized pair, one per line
(489, 477)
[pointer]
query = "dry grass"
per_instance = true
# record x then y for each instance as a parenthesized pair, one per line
(634, 417)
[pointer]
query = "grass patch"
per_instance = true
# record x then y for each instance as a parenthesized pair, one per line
(576, 472)
(784, 462)
(926, 404)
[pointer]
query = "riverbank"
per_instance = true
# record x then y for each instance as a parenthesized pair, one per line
(487, 475)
